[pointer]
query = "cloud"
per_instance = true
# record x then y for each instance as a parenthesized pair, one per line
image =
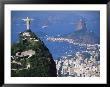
(45, 26)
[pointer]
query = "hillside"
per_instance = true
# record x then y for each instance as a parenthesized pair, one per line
(85, 37)
(31, 58)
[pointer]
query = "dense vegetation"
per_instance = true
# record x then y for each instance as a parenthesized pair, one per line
(41, 63)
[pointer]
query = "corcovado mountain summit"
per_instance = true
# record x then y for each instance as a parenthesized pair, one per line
(30, 57)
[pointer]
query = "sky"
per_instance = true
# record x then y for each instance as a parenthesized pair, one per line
(54, 23)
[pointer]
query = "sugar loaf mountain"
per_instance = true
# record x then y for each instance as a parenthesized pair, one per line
(82, 35)
(30, 57)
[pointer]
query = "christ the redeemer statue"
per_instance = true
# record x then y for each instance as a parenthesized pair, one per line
(28, 21)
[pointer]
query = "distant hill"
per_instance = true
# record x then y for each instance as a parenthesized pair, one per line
(31, 58)
(82, 35)
(85, 37)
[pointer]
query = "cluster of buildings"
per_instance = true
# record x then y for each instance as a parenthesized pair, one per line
(60, 39)
(84, 63)
(18, 62)
(71, 41)
(79, 65)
